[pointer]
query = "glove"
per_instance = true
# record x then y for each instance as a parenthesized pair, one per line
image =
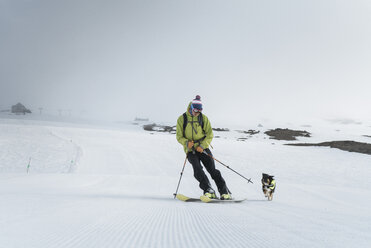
(190, 144)
(199, 149)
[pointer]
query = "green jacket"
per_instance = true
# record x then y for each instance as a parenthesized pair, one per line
(194, 133)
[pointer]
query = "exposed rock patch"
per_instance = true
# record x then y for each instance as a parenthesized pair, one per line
(159, 128)
(286, 134)
(347, 145)
(221, 129)
(162, 128)
(251, 132)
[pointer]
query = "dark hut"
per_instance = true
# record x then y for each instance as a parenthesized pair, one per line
(19, 108)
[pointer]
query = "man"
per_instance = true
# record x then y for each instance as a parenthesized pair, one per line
(194, 132)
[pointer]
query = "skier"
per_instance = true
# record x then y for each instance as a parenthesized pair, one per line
(194, 132)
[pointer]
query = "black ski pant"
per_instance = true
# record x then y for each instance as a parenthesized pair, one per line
(195, 159)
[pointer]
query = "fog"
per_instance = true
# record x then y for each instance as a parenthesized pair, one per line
(249, 60)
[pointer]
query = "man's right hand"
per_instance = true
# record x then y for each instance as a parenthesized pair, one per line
(190, 144)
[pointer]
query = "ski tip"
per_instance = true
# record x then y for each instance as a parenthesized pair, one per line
(186, 198)
(182, 197)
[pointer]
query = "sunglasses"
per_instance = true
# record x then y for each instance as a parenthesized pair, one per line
(197, 110)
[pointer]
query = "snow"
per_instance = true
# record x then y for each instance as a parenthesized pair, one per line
(112, 186)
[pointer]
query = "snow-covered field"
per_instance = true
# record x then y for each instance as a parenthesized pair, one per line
(96, 186)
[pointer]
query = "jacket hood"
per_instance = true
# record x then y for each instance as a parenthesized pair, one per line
(188, 108)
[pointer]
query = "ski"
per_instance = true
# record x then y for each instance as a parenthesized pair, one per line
(187, 199)
(208, 200)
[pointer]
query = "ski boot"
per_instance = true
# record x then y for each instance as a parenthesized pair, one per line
(210, 193)
(226, 197)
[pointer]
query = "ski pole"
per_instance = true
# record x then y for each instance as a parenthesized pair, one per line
(181, 174)
(248, 180)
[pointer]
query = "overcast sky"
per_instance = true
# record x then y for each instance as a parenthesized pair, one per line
(249, 60)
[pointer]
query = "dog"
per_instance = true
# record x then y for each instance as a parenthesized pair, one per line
(268, 186)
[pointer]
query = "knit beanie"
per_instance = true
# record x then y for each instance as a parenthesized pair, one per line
(196, 103)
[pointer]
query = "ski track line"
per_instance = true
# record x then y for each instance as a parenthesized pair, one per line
(294, 236)
(116, 220)
(98, 234)
(184, 228)
(43, 214)
(128, 226)
(260, 216)
(233, 230)
(191, 229)
(137, 232)
(160, 228)
(36, 237)
(114, 231)
(321, 220)
(148, 230)
(260, 238)
(57, 237)
(204, 219)
(78, 149)
(189, 226)
(94, 233)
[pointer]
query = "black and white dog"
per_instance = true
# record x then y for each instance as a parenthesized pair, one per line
(268, 186)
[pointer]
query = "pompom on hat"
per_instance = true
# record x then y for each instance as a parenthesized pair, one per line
(196, 103)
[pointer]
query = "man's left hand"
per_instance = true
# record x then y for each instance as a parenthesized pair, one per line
(199, 149)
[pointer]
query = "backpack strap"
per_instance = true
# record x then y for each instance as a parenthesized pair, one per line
(185, 121)
(200, 121)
